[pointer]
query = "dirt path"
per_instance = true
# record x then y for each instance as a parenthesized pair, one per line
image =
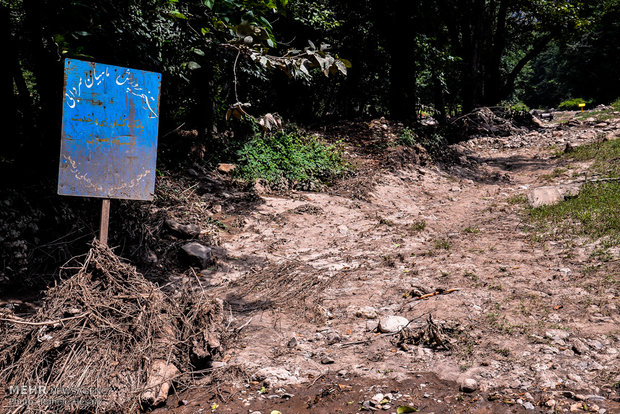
(308, 276)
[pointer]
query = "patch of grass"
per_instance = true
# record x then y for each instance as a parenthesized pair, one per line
(557, 172)
(471, 230)
(600, 116)
(442, 244)
(289, 155)
(386, 222)
(594, 211)
(417, 226)
(471, 275)
(606, 156)
(602, 254)
(497, 286)
(389, 260)
(616, 105)
(505, 352)
(517, 199)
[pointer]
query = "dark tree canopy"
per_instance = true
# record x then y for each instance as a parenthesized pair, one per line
(307, 60)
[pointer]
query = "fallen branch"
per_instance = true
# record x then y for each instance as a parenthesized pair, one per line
(437, 292)
(54, 322)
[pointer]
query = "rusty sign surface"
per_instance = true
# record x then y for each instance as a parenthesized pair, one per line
(110, 121)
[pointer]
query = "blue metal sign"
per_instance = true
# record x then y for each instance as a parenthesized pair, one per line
(109, 131)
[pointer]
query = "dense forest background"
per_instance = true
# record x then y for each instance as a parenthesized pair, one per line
(227, 63)
(401, 58)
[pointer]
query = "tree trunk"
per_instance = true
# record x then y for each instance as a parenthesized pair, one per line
(8, 115)
(400, 37)
(47, 69)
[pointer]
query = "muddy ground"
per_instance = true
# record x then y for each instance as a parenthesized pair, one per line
(307, 276)
(509, 321)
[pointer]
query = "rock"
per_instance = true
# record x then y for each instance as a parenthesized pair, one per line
(377, 398)
(528, 405)
(183, 230)
(544, 196)
(260, 186)
(537, 122)
(596, 344)
(326, 360)
(612, 135)
(579, 347)
(292, 343)
(271, 376)
(392, 324)
(574, 377)
(226, 168)
(557, 335)
(332, 338)
(550, 403)
(576, 407)
(469, 385)
(197, 255)
(548, 195)
(367, 312)
(158, 382)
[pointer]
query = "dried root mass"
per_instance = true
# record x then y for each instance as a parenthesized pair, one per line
(107, 339)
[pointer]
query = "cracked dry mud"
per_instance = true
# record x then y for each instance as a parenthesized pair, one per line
(313, 272)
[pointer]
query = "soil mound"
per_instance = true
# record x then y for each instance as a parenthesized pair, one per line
(496, 121)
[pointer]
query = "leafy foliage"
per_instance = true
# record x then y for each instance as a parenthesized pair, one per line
(289, 156)
(573, 104)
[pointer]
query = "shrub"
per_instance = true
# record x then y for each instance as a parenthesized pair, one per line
(407, 137)
(516, 106)
(289, 156)
(616, 105)
(573, 104)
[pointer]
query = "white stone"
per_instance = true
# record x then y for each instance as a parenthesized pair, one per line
(392, 324)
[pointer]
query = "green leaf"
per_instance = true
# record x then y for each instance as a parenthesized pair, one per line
(209, 3)
(204, 30)
(178, 15)
(406, 409)
(191, 65)
(341, 66)
(347, 64)
(199, 52)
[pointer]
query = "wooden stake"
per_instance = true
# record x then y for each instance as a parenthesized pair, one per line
(105, 221)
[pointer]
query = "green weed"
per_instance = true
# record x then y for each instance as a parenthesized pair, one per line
(289, 156)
